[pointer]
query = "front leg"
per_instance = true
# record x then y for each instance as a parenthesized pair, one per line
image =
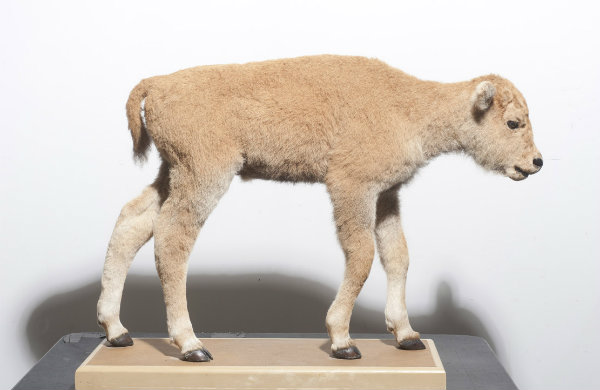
(393, 252)
(354, 213)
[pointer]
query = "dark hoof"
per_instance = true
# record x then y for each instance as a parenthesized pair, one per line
(123, 340)
(198, 355)
(347, 353)
(411, 345)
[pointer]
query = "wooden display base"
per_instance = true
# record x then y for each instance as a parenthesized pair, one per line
(261, 363)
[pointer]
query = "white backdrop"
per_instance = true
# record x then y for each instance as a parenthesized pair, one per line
(517, 263)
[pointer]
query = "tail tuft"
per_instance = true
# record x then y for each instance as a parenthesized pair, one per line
(139, 134)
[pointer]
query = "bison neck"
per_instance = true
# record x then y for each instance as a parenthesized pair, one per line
(428, 120)
(435, 117)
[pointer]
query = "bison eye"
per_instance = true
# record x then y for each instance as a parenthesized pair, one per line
(512, 124)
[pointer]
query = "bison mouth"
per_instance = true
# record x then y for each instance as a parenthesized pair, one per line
(517, 173)
(521, 171)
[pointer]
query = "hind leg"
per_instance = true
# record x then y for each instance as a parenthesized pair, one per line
(194, 194)
(393, 252)
(132, 230)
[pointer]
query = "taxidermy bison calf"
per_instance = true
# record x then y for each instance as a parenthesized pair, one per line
(355, 124)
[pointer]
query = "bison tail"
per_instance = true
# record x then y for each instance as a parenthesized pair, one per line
(137, 126)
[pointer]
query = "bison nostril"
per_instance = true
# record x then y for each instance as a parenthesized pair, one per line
(538, 162)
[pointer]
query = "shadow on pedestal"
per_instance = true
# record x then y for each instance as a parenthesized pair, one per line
(251, 303)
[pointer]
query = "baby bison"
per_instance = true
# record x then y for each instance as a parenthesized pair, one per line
(355, 124)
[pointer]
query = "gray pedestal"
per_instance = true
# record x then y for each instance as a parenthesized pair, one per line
(469, 362)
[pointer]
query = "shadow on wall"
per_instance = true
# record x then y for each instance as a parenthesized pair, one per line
(252, 303)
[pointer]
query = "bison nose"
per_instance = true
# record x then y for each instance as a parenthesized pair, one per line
(538, 162)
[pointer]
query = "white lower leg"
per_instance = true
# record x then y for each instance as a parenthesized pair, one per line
(108, 313)
(396, 315)
(182, 333)
(337, 322)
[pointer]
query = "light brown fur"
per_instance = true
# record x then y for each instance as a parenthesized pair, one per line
(358, 125)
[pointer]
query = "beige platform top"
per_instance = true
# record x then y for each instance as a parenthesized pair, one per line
(261, 364)
(263, 352)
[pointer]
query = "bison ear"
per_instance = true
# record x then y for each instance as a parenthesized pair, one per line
(483, 96)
